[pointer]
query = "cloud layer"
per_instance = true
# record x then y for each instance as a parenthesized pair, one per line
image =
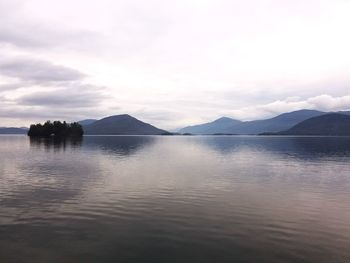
(171, 63)
(38, 71)
(43, 90)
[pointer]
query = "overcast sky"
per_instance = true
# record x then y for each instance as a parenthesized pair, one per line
(171, 63)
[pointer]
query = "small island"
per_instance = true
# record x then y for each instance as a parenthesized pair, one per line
(56, 129)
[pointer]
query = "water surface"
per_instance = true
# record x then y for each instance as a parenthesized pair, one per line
(175, 199)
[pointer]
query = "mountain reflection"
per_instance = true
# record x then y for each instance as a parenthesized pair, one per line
(182, 195)
(301, 147)
(120, 145)
(55, 144)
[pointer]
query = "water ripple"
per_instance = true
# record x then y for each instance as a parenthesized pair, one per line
(175, 199)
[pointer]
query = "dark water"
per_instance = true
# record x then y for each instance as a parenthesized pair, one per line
(175, 199)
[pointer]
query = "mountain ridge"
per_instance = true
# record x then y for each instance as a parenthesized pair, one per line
(331, 124)
(126, 124)
(86, 121)
(210, 127)
(13, 130)
(278, 123)
(122, 124)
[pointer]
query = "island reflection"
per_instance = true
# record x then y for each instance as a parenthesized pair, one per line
(55, 143)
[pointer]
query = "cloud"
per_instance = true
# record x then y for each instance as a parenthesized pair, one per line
(43, 90)
(69, 109)
(11, 86)
(36, 37)
(32, 114)
(323, 102)
(75, 97)
(38, 71)
(167, 63)
(22, 31)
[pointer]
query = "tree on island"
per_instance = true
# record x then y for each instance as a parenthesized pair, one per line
(56, 128)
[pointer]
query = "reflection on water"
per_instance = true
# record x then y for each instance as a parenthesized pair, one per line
(121, 145)
(175, 199)
(55, 143)
(299, 146)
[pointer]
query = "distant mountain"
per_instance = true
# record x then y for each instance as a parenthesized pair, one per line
(86, 122)
(343, 112)
(230, 126)
(4, 130)
(216, 126)
(279, 123)
(121, 125)
(332, 124)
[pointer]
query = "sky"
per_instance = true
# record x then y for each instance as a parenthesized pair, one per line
(171, 63)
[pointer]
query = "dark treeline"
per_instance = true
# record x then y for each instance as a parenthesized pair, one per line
(56, 128)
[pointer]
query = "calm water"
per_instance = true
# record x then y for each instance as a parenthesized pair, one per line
(175, 199)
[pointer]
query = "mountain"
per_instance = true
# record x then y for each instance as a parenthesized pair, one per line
(216, 126)
(121, 125)
(343, 112)
(332, 124)
(4, 130)
(279, 123)
(230, 126)
(86, 122)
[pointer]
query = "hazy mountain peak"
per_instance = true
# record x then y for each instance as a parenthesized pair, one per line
(216, 126)
(86, 121)
(119, 116)
(225, 119)
(121, 124)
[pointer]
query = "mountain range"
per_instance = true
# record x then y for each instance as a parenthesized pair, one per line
(12, 130)
(332, 124)
(276, 124)
(302, 122)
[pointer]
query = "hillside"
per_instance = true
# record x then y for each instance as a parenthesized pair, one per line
(279, 123)
(216, 126)
(333, 124)
(4, 130)
(86, 122)
(121, 125)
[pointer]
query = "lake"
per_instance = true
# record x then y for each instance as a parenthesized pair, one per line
(175, 199)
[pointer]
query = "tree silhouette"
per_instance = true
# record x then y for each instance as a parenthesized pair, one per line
(56, 128)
